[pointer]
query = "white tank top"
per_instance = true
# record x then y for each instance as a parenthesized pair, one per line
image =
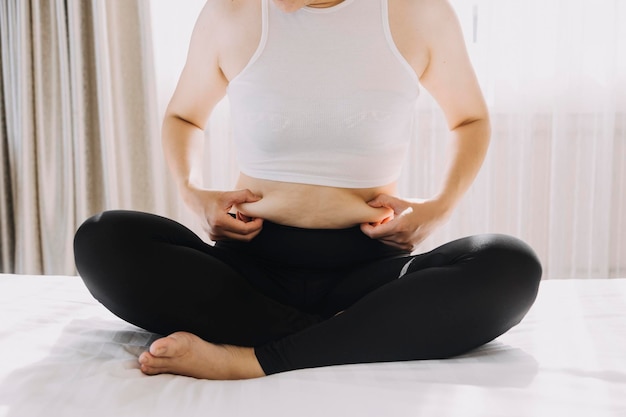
(327, 98)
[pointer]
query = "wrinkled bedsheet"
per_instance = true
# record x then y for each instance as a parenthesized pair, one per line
(63, 354)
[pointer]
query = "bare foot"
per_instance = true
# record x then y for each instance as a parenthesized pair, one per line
(186, 354)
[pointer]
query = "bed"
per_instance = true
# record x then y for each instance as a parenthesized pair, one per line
(63, 354)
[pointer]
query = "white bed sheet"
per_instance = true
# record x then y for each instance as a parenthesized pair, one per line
(63, 354)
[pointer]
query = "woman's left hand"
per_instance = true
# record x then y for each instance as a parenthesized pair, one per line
(411, 222)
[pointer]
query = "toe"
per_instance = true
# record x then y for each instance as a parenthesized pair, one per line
(145, 363)
(144, 358)
(149, 370)
(152, 365)
(173, 345)
(160, 347)
(154, 362)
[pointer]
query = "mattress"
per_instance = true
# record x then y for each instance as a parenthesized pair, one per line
(63, 354)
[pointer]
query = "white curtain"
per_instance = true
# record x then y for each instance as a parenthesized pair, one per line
(78, 125)
(554, 75)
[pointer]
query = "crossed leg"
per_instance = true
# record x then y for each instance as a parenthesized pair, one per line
(450, 300)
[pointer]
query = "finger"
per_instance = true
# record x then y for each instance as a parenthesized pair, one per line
(376, 202)
(243, 217)
(388, 235)
(396, 245)
(240, 227)
(368, 230)
(381, 200)
(242, 196)
(238, 237)
(387, 201)
(226, 225)
(224, 234)
(378, 231)
(388, 239)
(398, 241)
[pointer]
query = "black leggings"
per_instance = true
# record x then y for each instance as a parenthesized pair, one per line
(282, 292)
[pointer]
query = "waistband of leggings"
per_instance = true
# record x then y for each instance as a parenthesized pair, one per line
(312, 248)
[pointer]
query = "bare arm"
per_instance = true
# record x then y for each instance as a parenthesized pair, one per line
(201, 86)
(451, 80)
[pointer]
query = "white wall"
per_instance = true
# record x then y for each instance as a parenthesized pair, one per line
(172, 24)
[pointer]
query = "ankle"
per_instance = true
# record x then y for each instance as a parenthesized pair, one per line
(244, 363)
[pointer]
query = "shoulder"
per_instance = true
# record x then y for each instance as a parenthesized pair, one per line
(221, 20)
(432, 25)
(423, 6)
(227, 11)
(427, 13)
(421, 27)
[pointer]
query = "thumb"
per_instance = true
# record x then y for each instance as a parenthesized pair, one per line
(385, 200)
(378, 201)
(244, 196)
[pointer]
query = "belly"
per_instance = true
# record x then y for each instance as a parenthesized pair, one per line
(312, 206)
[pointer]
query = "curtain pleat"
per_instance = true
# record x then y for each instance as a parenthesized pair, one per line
(19, 107)
(50, 203)
(617, 237)
(80, 130)
(7, 226)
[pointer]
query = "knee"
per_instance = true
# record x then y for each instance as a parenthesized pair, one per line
(107, 226)
(510, 254)
(521, 257)
(100, 234)
(93, 231)
(87, 229)
(88, 233)
(513, 263)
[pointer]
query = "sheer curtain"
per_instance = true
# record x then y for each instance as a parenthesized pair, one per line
(78, 124)
(553, 73)
(79, 119)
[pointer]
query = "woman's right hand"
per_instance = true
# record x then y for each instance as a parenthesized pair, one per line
(213, 208)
